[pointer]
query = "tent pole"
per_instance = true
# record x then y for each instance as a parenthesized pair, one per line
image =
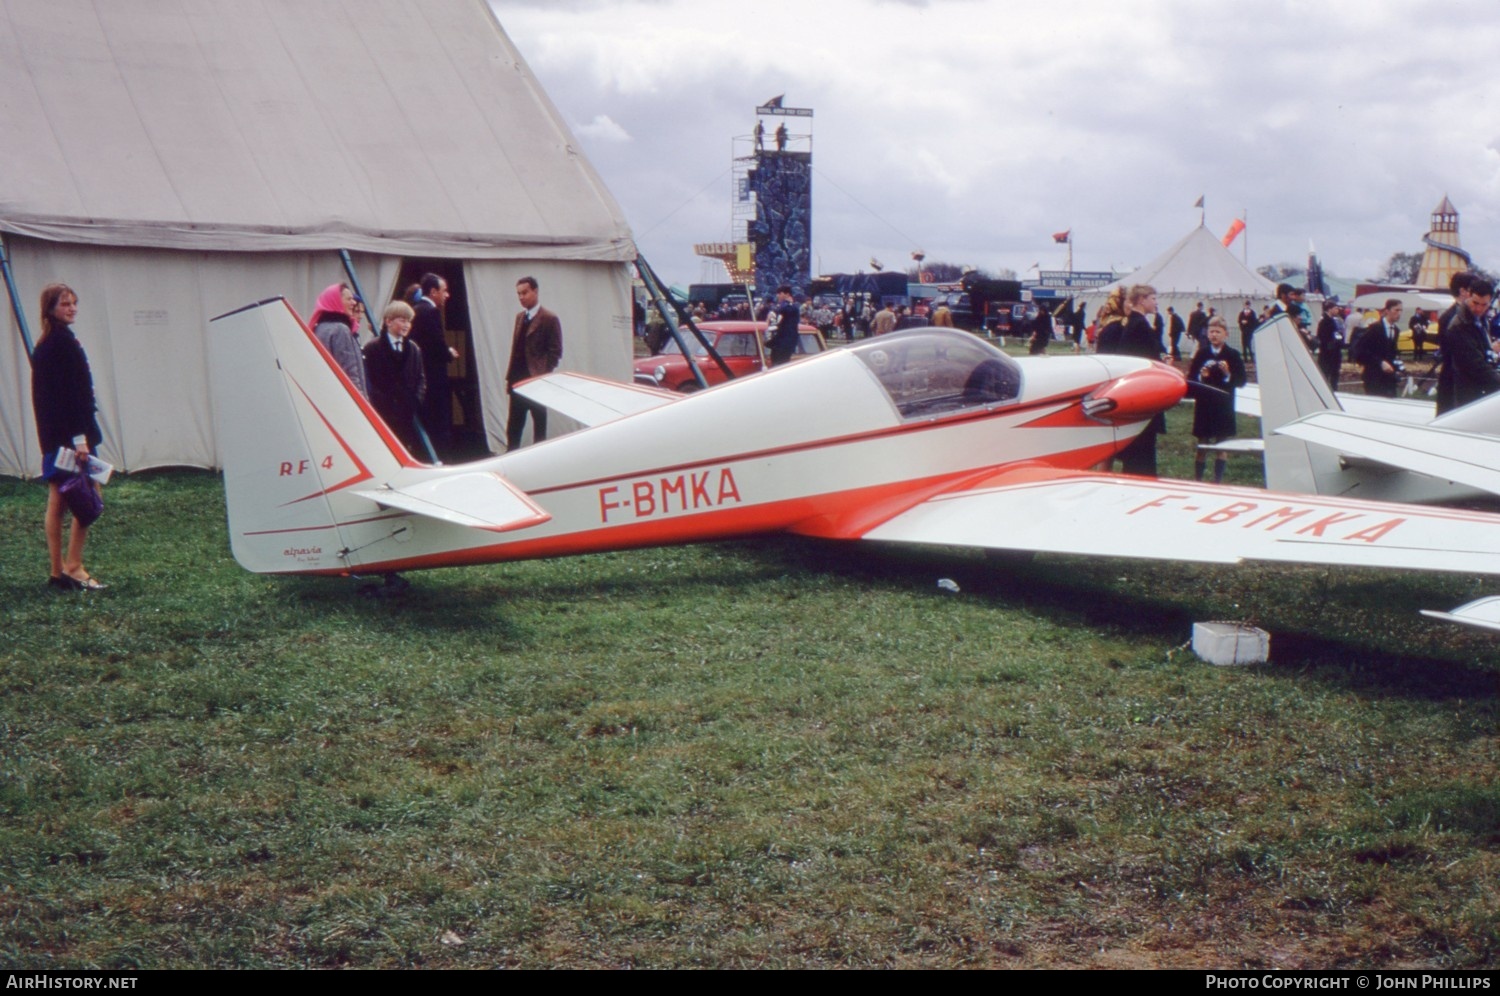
(359, 295)
(660, 298)
(15, 298)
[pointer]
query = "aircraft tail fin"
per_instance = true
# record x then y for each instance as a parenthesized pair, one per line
(1292, 386)
(295, 438)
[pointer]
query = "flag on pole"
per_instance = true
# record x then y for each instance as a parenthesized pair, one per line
(1066, 236)
(1235, 228)
(1200, 201)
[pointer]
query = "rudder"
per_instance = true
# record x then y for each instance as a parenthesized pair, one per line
(294, 436)
(1291, 386)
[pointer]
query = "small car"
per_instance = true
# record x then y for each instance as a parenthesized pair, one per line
(741, 344)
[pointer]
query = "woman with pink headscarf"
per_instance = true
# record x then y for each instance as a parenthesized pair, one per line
(337, 329)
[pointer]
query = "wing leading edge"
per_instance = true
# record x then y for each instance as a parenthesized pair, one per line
(1101, 515)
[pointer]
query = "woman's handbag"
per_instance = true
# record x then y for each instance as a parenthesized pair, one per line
(83, 498)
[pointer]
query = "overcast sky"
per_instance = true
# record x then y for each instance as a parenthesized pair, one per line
(973, 129)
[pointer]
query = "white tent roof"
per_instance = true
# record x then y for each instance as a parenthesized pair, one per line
(382, 126)
(1198, 266)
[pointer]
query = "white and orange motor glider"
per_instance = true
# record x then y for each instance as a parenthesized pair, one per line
(929, 436)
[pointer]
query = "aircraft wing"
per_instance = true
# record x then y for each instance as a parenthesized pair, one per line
(1236, 444)
(1083, 513)
(478, 500)
(1247, 400)
(591, 400)
(1466, 458)
(1408, 410)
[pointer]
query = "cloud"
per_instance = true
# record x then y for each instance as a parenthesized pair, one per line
(978, 128)
(602, 129)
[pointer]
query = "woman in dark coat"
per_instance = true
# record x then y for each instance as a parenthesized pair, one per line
(1218, 365)
(62, 397)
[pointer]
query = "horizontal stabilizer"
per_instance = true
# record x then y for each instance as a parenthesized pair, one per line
(1408, 410)
(1482, 613)
(1462, 457)
(476, 500)
(1247, 400)
(1236, 445)
(1094, 514)
(590, 400)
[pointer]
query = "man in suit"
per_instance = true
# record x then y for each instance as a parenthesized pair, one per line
(394, 371)
(1248, 321)
(535, 349)
(1468, 372)
(1458, 285)
(1175, 327)
(1197, 325)
(427, 333)
(1375, 352)
(1331, 343)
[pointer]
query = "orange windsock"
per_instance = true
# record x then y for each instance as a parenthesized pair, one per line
(1235, 228)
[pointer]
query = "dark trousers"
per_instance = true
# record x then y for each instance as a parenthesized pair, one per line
(1331, 365)
(1140, 456)
(437, 410)
(515, 422)
(1381, 384)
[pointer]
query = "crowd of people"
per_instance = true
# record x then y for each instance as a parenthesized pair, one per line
(860, 316)
(1460, 357)
(403, 369)
(856, 316)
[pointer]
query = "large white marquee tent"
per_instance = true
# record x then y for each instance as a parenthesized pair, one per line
(175, 159)
(1197, 268)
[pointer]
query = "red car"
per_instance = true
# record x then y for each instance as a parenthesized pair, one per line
(739, 343)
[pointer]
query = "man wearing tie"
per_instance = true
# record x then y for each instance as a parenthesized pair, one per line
(398, 383)
(1375, 352)
(535, 349)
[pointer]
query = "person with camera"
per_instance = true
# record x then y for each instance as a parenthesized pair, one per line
(1218, 365)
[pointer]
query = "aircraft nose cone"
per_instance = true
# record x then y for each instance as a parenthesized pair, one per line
(1137, 395)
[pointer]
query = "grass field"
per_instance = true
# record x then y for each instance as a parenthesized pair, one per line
(766, 753)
